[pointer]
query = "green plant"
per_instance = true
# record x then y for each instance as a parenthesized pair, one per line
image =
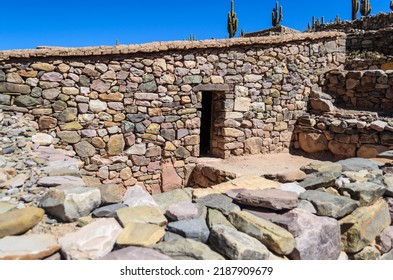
(337, 19)
(232, 21)
(365, 7)
(277, 15)
(391, 5)
(355, 9)
(242, 33)
(117, 42)
(192, 38)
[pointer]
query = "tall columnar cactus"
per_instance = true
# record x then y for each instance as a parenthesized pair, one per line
(355, 9)
(365, 8)
(391, 5)
(232, 21)
(277, 15)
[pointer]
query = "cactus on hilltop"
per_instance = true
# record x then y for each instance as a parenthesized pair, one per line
(242, 33)
(277, 15)
(355, 9)
(365, 8)
(391, 5)
(232, 21)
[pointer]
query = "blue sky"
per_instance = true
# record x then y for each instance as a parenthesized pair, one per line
(71, 23)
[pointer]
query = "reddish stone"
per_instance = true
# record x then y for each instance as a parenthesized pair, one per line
(170, 179)
(46, 122)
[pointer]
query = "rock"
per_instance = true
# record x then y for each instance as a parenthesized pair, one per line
(365, 192)
(368, 253)
(389, 201)
(322, 105)
(43, 67)
(361, 227)
(270, 198)
(26, 101)
(317, 238)
(137, 196)
(97, 106)
(272, 236)
(111, 193)
(170, 179)
(141, 214)
(321, 167)
(108, 211)
(218, 201)
(385, 240)
(70, 137)
(140, 235)
(387, 154)
(92, 241)
(135, 253)
(28, 247)
(215, 217)
(42, 139)
(292, 187)
(19, 220)
(357, 164)
(84, 149)
(237, 245)
(244, 182)
(320, 180)
(195, 229)
(69, 203)
(165, 200)
(291, 176)
(46, 122)
(53, 181)
(187, 249)
(313, 142)
(307, 206)
(330, 205)
(115, 145)
(6, 206)
(183, 210)
(387, 256)
(253, 145)
(370, 151)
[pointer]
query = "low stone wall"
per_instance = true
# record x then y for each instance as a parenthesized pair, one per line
(347, 134)
(370, 89)
(368, 61)
(375, 40)
(133, 113)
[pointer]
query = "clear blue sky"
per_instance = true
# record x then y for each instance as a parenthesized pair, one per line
(77, 23)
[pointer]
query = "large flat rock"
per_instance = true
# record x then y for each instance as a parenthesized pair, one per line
(275, 199)
(19, 220)
(28, 247)
(138, 196)
(237, 245)
(195, 229)
(165, 200)
(218, 201)
(357, 164)
(54, 181)
(135, 253)
(138, 234)
(141, 214)
(320, 180)
(365, 192)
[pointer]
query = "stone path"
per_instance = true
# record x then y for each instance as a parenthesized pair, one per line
(324, 211)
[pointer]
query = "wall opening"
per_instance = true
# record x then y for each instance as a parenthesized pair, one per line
(206, 124)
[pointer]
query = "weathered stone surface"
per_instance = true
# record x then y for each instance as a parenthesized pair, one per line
(270, 198)
(320, 180)
(195, 229)
(368, 253)
(322, 105)
(184, 210)
(55, 181)
(141, 214)
(24, 101)
(92, 241)
(42, 139)
(140, 234)
(232, 132)
(111, 193)
(108, 211)
(165, 200)
(370, 151)
(253, 145)
(6, 206)
(19, 220)
(187, 249)
(272, 236)
(220, 202)
(237, 245)
(42, 66)
(97, 106)
(135, 253)
(115, 145)
(290, 176)
(313, 142)
(321, 167)
(69, 203)
(28, 247)
(330, 205)
(215, 217)
(170, 179)
(292, 187)
(342, 150)
(361, 227)
(138, 196)
(385, 240)
(365, 192)
(71, 137)
(84, 149)
(357, 164)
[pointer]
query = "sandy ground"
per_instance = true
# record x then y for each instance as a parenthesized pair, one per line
(259, 164)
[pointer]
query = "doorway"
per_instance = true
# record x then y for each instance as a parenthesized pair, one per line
(206, 124)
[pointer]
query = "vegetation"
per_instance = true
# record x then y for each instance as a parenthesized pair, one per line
(355, 9)
(242, 33)
(365, 8)
(277, 15)
(192, 37)
(391, 5)
(232, 21)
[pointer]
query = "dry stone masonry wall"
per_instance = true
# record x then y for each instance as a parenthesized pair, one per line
(134, 113)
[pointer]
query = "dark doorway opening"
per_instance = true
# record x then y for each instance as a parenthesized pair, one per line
(206, 124)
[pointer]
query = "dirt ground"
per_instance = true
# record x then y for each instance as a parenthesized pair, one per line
(260, 164)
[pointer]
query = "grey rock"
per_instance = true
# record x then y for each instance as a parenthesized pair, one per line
(237, 245)
(307, 206)
(54, 181)
(182, 211)
(387, 154)
(365, 192)
(135, 253)
(84, 149)
(71, 137)
(330, 205)
(26, 101)
(195, 229)
(292, 187)
(269, 198)
(220, 202)
(357, 164)
(320, 180)
(138, 196)
(387, 256)
(108, 211)
(368, 253)
(165, 200)
(215, 217)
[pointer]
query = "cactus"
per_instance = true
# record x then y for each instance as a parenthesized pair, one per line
(323, 20)
(276, 15)
(242, 33)
(232, 21)
(391, 5)
(365, 7)
(355, 9)
(117, 42)
(337, 19)
(309, 27)
(192, 38)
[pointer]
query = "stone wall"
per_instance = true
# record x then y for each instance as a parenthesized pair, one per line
(367, 90)
(374, 40)
(133, 113)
